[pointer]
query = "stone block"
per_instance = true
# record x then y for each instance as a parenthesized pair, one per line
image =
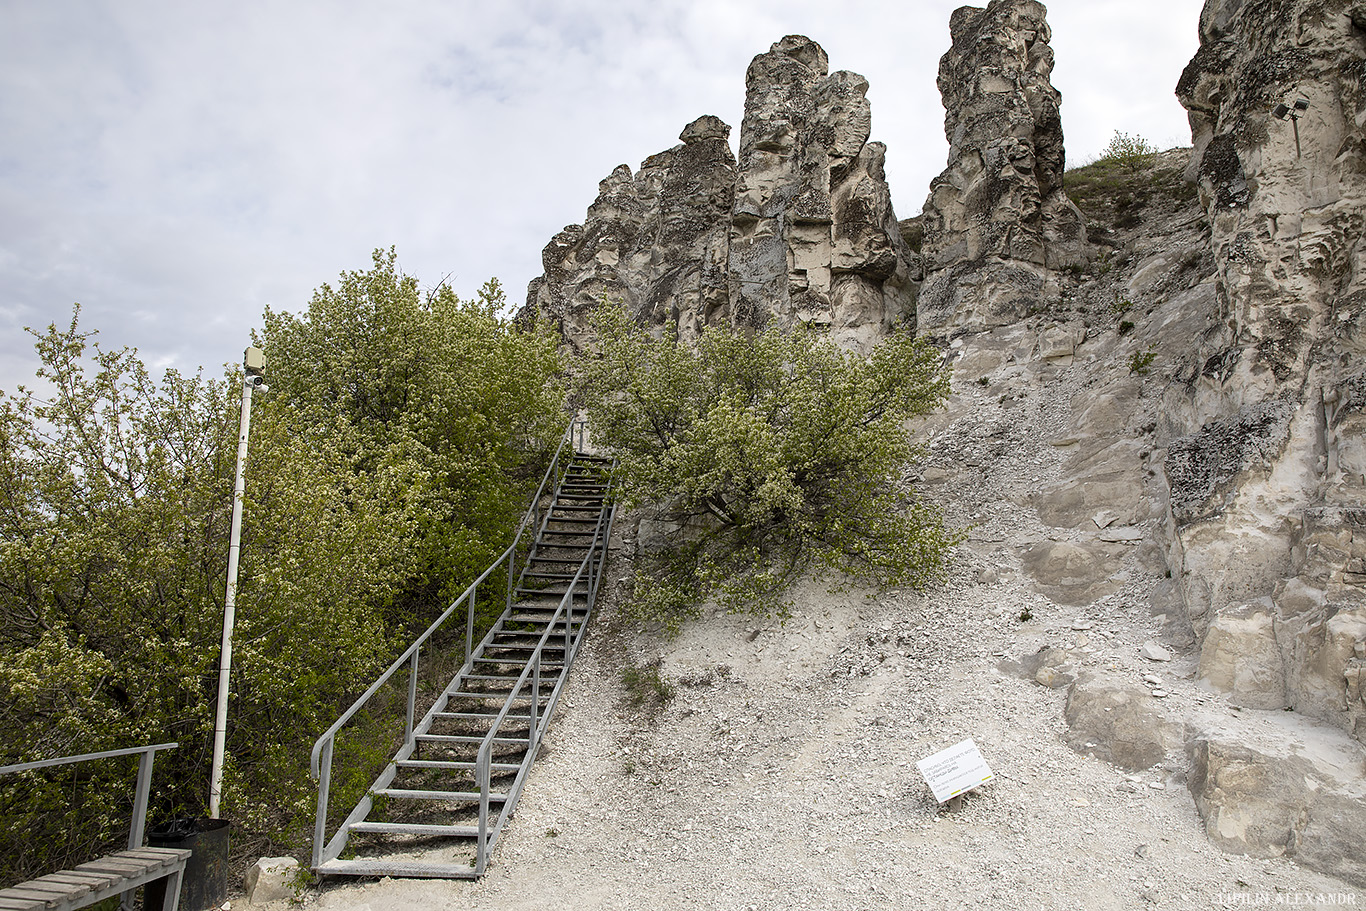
(271, 879)
(1240, 656)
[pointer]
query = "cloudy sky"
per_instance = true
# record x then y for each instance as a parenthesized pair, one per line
(176, 167)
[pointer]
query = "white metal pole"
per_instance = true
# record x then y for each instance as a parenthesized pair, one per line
(220, 725)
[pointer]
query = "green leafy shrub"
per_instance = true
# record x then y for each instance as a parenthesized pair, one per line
(770, 454)
(1132, 152)
(438, 398)
(376, 481)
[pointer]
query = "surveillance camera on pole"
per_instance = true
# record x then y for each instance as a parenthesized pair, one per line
(254, 363)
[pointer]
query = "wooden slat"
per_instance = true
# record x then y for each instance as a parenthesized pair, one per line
(28, 898)
(54, 893)
(93, 881)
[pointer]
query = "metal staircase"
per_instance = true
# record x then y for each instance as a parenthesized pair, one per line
(438, 807)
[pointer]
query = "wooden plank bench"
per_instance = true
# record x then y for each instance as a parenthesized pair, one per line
(116, 874)
(100, 879)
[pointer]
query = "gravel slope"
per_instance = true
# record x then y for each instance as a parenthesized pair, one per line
(782, 774)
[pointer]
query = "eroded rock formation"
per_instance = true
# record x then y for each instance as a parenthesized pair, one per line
(656, 240)
(997, 220)
(799, 230)
(1269, 485)
(813, 235)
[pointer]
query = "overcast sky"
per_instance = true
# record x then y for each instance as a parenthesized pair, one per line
(176, 167)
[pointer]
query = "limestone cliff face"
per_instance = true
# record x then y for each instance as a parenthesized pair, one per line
(1161, 435)
(1268, 486)
(997, 219)
(799, 230)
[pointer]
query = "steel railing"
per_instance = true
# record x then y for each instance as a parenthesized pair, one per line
(321, 757)
(589, 574)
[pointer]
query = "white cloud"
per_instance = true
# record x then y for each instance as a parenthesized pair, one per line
(196, 162)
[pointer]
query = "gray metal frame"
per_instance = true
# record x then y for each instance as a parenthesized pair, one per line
(588, 575)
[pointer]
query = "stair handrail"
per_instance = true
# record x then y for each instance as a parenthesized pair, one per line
(320, 758)
(593, 562)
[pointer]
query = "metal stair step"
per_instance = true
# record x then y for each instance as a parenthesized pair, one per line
(527, 644)
(465, 739)
(412, 828)
(396, 868)
(479, 716)
(523, 696)
(410, 794)
(452, 764)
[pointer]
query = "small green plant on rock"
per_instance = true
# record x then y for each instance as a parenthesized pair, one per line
(1131, 152)
(1141, 361)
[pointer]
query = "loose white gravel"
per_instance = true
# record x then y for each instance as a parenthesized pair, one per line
(782, 774)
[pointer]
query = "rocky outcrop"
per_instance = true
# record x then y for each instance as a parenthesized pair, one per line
(799, 230)
(1294, 793)
(655, 240)
(997, 220)
(1122, 724)
(813, 236)
(1268, 484)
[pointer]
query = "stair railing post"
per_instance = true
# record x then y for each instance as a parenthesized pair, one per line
(568, 623)
(324, 783)
(469, 621)
(144, 788)
(412, 693)
(533, 736)
(481, 775)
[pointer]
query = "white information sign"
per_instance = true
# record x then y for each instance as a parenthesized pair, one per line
(954, 771)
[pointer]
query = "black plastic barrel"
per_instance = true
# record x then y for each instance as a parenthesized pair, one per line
(205, 884)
